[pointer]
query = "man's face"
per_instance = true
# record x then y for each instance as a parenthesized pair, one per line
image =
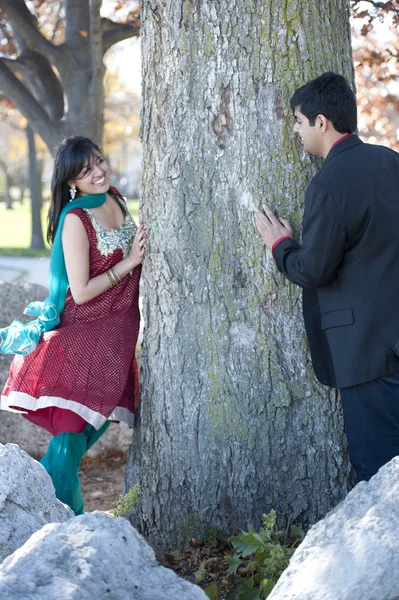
(310, 135)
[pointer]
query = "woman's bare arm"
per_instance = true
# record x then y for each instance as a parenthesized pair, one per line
(77, 261)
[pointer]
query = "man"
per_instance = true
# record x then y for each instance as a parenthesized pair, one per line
(348, 267)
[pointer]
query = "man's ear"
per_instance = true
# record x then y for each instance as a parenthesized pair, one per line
(322, 123)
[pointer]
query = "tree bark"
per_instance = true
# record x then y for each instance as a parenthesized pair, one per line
(96, 90)
(232, 420)
(35, 187)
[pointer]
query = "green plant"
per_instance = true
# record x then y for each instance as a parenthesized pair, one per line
(200, 573)
(260, 559)
(212, 591)
(126, 504)
(214, 533)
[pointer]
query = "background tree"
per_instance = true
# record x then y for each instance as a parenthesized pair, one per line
(14, 151)
(52, 66)
(232, 420)
(375, 52)
(8, 182)
(35, 186)
(9, 125)
(14, 174)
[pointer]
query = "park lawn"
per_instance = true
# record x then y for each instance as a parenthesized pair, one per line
(15, 228)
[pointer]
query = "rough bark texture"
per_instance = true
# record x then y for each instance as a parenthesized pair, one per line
(232, 421)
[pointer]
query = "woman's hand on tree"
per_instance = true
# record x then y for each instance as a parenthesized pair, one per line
(137, 251)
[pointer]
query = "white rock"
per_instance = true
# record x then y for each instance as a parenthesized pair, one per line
(352, 554)
(92, 556)
(27, 499)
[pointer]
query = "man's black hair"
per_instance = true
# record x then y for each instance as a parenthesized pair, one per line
(328, 95)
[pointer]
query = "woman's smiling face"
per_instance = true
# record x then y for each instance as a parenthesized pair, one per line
(93, 178)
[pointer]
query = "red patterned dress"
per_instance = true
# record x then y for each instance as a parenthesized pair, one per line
(85, 370)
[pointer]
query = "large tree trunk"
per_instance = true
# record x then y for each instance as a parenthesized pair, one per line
(232, 421)
(35, 186)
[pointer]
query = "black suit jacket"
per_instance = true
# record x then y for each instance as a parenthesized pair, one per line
(348, 264)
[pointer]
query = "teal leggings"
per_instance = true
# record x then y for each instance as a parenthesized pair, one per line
(62, 463)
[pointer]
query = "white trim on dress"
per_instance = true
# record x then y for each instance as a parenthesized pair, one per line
(92, 417)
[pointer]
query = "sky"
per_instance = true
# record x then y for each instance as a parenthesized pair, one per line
(124, 57)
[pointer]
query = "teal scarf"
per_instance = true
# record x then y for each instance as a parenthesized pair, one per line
(20, 338)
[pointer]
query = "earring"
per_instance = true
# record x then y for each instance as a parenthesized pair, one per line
(72, 191)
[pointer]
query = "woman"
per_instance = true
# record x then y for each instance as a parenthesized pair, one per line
(82, 374)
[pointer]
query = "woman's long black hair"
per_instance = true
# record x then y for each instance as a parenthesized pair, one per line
(72, 156)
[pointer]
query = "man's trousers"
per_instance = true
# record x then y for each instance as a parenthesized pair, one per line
(371, 413)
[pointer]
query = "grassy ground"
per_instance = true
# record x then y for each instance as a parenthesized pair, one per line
(15, 228)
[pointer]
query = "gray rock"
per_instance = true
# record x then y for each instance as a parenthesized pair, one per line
(14, 429)
(27, 499)
(14, 297)
(90, 556)
(352, 554)
(34, 440)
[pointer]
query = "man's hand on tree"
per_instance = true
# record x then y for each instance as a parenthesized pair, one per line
(271, 228)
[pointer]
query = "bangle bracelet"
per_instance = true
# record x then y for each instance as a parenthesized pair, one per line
(112, 277)
(110, 282)
(116, 274)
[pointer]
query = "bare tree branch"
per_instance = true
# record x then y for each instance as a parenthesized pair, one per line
(22, 18)
(116, 32)
(77, 19)
(44, 73)
(390, 6)
(40, 79)
(24, 101)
